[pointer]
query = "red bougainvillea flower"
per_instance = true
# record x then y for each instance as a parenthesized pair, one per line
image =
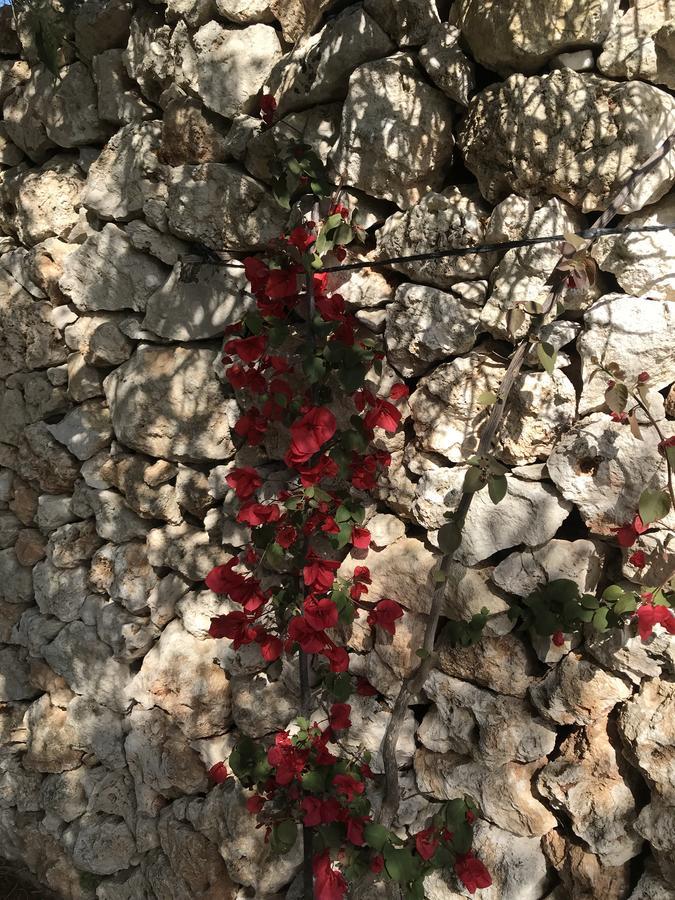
(222, 579)
(252, 427)
(247, 349)
(426, 842)
(241, 378)
(360, 538)
(256, 272)
(382, 415)
(619, 417)
(638, 559)
(311, 811)
(218, 773)
(377, 863)
(288, 760)
(301, 238)
(627, 534)
(364, 688)
(320, 614)
(236, 626)
(244, 481)
(254, 804)
(348, 786)
(270, 647)
(324, 467)
(338, 717)
(355, 831)
(558, 638)
(319, 574)
(648, 616)
(282, 283)
(286, 536)
(267, 108)
(310, 640)
(385, 614)
(329, 884)
(309, 434)
(331, 309)
(399, 392)
(471, 872)
(338, 658)
(643, 377)
(255, 514)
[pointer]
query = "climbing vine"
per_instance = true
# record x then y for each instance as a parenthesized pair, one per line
(316, 415)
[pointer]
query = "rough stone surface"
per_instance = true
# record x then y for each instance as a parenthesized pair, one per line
(646, 725)
(577, 691)
(637, 45)
(636, 118)
(183, 380)
(447, 65)
(388, 108)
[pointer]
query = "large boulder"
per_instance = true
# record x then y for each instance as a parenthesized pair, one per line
(396, 137)
(521, 35)
(30, 340)
(167, 402)
(516, 138)
(638, 45)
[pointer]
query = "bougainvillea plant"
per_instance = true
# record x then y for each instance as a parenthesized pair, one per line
(316, 418)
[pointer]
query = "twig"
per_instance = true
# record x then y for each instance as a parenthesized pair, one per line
(652, 421)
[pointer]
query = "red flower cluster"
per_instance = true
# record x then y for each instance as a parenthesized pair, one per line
(385, 614)
(472, 873)
(649, 614)
(628, 533)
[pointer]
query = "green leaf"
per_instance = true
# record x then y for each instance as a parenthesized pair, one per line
(323, 243)
(600, 619)
(284, 835)
(612, 593)
(616, 397)
(343, 235)
(423, 653)
(338, 685)
(333, 221)
(654, 505)
(449, 537)
(314, 781)
(400, 864)
(625, 604)
(376, 836)
(547, 356)
(314, 368)
(497, 487)
(474, 480)
(487, 398)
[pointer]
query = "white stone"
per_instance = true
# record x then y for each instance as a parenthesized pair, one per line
(158, 391)
(579, 561)
(185, 549)
(59, 592)
(85, 430)
(633, 48)
(578, 692)
(396, 136)
(446, 64)
(119, 101)
(550, 158)
(646, 723)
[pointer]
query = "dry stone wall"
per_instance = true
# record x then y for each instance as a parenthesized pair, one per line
(449, 125)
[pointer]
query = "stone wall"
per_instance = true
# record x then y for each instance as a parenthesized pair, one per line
(449, 125)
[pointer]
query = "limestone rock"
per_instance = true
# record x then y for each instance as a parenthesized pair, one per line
(651, 886)
(244, 11)
(472, 721)
(636, 117)
(51, 744)
(106, 272)
(23, 112)
(231, 65)
(114, 520)
(160, 757)
(117, 180)
(641, 262)
(455, 218)
(623, 651)
(577, 691)
(522, 36)
(193, 307)
(100, 25)
(318, 70)
(88, 666)
(104, 845)
(124, 572)
(85, 430)
(579, 561)
(98, 731)
(446, 64)
(157, 390)
(603, 469)
(396, 132)
(503, 793)
(193, 858)
(147, 57)
(70, 113)
(179, 676)
(448, 416)
(151, 501)
(646, 724)
(191, 135)
(129, 636)
(15, 681)
(217, 205)
(409, 23)
(64, 794)
(10, 154)
(261, 706)
(30, 546)
(16, 583)
(71, 544)
(59, 592)
(585, 781)
(30, 340)
(13, 72)
(41, 203)
(185, 549)
(530, 513)
(165, 247)
(385, 530)
(424, 325)
(617, 322)
(502, 663)
(656, 823)
(634, 48)
(119, 101)
(582, 872)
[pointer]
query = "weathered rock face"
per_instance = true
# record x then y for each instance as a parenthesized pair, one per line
(388, 108)
(184, 380)
(522, 36)
(132, 184)
(636, 117)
